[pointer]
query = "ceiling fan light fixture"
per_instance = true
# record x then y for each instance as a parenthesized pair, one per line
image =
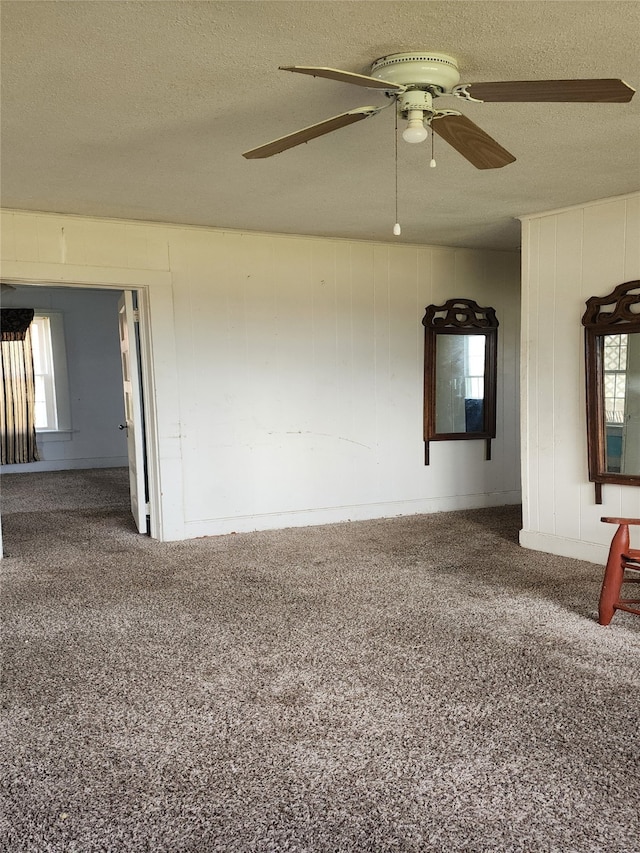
(415, 131)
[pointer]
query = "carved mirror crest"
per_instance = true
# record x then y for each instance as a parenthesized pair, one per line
(460, 368)
(612, 353)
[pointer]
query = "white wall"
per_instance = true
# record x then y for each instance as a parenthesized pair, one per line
(90, 322)
(288, 370)
(568, 256)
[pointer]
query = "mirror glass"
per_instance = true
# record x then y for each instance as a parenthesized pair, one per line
(460, 368)
(612, 371)
(460, 373)
(621, 402)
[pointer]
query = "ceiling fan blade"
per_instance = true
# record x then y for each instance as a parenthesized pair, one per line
(472, 142)
(311, 132)
(578, 91)
(345, 77)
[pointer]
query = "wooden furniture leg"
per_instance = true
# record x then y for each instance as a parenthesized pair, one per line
(621, 557)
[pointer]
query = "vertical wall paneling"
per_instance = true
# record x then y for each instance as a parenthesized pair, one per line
(605, 227)
(570, 453)
(404, 423)
(286, 371)
(568, 256)
(529, 376)
(364, 469)
(546, 374)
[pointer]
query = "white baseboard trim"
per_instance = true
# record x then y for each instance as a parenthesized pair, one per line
(66, 465)
(335, 515)
(563, 547)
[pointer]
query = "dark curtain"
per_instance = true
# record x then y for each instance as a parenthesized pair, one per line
(17, 389)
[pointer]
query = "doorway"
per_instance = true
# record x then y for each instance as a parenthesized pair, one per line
(97, 432)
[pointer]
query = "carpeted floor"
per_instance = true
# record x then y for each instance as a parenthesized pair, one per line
(413, 684)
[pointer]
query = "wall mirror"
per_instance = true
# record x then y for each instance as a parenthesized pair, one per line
(460, 368)
(612, 353)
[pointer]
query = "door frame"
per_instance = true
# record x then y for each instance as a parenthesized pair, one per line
(150, 420)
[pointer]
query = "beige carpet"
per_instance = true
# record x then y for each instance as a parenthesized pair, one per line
(414, 684)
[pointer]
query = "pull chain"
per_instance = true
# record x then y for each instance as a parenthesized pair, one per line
(396, 228)
(433, 161)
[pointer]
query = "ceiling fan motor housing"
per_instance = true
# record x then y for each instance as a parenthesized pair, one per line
(414, 99)
(425, 70)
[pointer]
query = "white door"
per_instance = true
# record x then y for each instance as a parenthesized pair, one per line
(133, 409)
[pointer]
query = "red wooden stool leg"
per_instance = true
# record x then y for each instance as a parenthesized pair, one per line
(613, 575)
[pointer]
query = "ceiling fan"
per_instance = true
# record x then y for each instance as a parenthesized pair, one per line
(414, 80)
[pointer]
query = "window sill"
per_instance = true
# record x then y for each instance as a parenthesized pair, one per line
(43, 436)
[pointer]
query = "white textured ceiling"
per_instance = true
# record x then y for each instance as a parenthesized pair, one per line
(142, 110)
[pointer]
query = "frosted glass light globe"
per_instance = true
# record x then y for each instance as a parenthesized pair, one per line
(415, 131)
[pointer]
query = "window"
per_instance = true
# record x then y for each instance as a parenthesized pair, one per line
(615, 392)
(46, 411)
(50, 373)
(474, 367)
(615, 377)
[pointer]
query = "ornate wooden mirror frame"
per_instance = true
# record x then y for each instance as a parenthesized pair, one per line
(613, 388)
(459, 398)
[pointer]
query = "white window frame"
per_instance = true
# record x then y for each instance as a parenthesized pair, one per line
(56, 378)
(475, 366)
(614, 415)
